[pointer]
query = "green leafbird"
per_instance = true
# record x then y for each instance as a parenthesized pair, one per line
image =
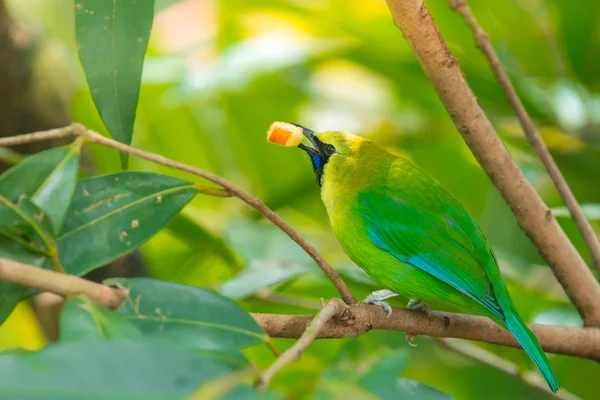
(411, 235)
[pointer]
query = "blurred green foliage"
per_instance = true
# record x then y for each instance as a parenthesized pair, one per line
(217, 74)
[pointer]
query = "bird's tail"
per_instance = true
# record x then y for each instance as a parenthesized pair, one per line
(528, 341)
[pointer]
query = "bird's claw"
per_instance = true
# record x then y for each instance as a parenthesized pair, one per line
(409, 339)
(416, 305)
(384, 305)
(376, 298)
(419, 305)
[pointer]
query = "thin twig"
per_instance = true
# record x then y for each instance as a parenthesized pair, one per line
(333, 308)
(530, 378)
(40, 136)
(533, 216)
(531, 133)
(578, 342)
(76, 129)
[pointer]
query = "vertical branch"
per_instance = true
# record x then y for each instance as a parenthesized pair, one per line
(531, 133)
(533, 216)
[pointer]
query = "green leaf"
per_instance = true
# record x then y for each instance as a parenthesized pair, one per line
(112, 37)
(82, 319)
(591, 211)
(48, 178)
(377, 379)
(271, 258)
(187, 315)
(259, 275)
(111, 215)
(412, 390)
(98, 370)
(27, 225)
(264, 241)
(385, 369)
(382, 380)
(187, 228)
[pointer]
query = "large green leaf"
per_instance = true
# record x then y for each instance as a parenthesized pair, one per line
(187, 315)
(98, 370)
(112, 37)
(48, 178)
(111, 215)
(82, 319)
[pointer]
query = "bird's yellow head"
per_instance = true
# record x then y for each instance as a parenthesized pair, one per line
(328, 145)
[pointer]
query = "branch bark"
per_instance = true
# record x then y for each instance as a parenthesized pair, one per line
(361, 318)
(531, 133)
(533, 216)
(79, 130)
(579, 342)
(58, 283)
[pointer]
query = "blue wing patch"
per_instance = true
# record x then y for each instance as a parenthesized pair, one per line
(430, 241)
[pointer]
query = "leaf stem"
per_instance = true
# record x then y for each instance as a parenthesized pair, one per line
(55, 260)
(211, 191)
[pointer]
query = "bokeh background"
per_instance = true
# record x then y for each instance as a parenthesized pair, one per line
(217, 73)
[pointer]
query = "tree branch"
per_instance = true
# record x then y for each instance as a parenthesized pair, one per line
(531, 133)
(361, 317)
(59, 283)
(533, 216)
(334, 308)
(578, 342)
(94, 137)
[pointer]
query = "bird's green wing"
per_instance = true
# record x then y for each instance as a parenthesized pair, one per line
(420, 223)
(417, 221)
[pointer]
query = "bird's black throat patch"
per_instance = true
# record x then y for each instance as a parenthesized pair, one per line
(318, 162)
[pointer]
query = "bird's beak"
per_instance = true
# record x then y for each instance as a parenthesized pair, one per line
(310, 135)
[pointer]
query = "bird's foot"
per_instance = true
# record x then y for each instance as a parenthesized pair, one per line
(419, 305)
(377, 298)
(409, 339)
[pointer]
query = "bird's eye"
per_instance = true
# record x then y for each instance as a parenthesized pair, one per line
(329, 150)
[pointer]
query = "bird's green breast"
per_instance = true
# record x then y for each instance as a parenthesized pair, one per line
(345, 176)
